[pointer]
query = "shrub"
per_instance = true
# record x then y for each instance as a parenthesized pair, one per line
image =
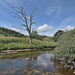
(66, 47)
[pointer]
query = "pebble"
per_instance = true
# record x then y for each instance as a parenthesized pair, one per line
(74, 72)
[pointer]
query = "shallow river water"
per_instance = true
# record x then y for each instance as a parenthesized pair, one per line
(33, 63)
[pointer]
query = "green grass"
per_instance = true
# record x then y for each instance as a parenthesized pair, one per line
(48, 39)
(14, 43)
(1, 35)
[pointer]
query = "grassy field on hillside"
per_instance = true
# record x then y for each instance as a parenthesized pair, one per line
(14, 43)
(1, 35)
(10, 33)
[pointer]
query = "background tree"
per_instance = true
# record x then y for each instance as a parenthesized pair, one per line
(36, 36)
(34, 33)
(57, 35)
(21, 14)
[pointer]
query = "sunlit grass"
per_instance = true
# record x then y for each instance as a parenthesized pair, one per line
(14, 43)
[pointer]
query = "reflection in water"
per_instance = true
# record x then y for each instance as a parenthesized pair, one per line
(39, 63)
(44, 62)
(30, 63)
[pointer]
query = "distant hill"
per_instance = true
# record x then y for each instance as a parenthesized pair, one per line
(10, 33)
(4, 32)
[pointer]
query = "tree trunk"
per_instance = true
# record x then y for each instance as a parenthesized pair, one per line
(30, 36)
(30, 40)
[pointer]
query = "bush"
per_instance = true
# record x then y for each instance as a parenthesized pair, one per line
(66, 47)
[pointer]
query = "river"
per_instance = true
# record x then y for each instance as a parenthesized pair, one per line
(32, 63)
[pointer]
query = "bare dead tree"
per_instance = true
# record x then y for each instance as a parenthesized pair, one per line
(21, 14)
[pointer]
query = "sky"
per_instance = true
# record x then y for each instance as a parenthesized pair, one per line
(51, 15)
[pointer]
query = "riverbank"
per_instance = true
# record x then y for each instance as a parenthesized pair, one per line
(25, 50)
(11, 52)
(68, 65)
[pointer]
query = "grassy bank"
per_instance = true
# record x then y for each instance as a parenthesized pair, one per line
(14, 43)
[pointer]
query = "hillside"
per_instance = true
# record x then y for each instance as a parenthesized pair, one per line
(10, 33)
(10, 40)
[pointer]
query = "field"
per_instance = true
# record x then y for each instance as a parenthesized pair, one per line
(15, 43)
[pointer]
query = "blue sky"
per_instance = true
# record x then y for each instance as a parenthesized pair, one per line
(51, 15)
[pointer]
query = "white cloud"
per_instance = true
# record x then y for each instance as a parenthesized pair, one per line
(16, 29)
(68, 28)
(9, 26)
(44, 28)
